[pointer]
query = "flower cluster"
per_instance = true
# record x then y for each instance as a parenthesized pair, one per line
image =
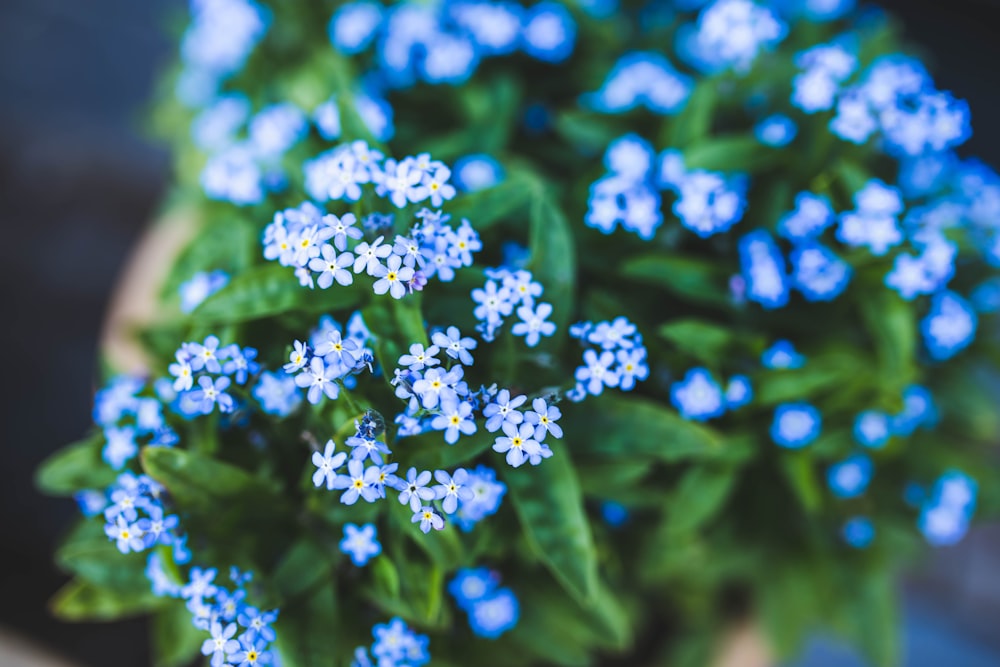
(129, 418)
(492, 611)
(329, 361)
(444, 44)
(641, 79)
(699, 397)
(396, 645)
(504, 291)
(215, 368)
(132, 531)
(948, 508)
(617, 357)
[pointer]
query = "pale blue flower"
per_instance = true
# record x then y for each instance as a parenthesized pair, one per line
(698, 396)
(795, 425)
(360, 543)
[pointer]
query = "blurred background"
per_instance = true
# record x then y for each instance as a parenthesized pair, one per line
(79, 180)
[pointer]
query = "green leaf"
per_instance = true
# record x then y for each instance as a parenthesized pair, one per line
(98, 562)
(692, 279)
(833, 370)
(872, 617)
(203, 484)
(699, 497)
(731, 153)
(268, 290)
(487, 207)
(77, 467)
(553, 259)
(694, 122)
(307, 631)
(891, 322)
(395, 325)
(549, 503)
(303, 567)
(800, 472)
(589, 134)
(175, 640)
(617, 426)
(386, 576)
(430, 452)
(79, 600)
(700, 339)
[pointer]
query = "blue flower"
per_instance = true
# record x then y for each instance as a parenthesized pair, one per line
(127, 536)
(258, 623)
(229, 605)
(549, 32)
(614, 514)
(776, 131)
(200, 584)
(519, 443)
(730, 34)
(477, 172)
(910, 277)
(240, 363)
(641, 79)
(945, 516)
(332, 267)
(795, 425)
(201, 286)
(354, 25)
(949, 327)
(850, 477)
(438, 386)
(452, 489)
(782, 355)
(277, 128)
(470, 585)
(359, 481)
(320, 379)
(812, 215)
(825, 67)
(454, 345)
(494, 615)
(326, 465)
(367, 446)
(234, 176)
(544, 417)
(918, 410)
(420, 358)
(502, 410)
(221, 643)
(818, 273)
(533, 325)
(252, 652)
(872, 429)
(873, 224)
(120, 447)
(428, 518)
(414, 490)
(858, 532)
(361, 543)
(455, 418)
(763, 267)
(212, 393)
(739, 392)
(617, 333)
(708, 203)
(392, 278)
(631, 367)
(277, 393)
(487, 494)
(216, 126)
(827, 10)
(596, 372)
(698, 396)
(205, 356)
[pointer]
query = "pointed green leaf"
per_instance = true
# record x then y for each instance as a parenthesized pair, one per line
(77, 467)
(617, 425)
(196, 482)
(699, 497)
(553, 259)
(549, 503)
(268, 290)
(690, 278)
(731, 153)
(487, 207)
(699, 339)
(307, 631)
(175, 640)
(79, 600)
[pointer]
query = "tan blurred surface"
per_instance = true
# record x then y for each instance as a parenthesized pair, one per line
(16, 652)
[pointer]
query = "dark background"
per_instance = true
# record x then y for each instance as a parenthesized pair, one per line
(79, 179)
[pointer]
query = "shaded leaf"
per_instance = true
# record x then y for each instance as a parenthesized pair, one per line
(699, 497)
(77, 467)
(268, 290)
(549, 503)
(175, 640)
(307, 630)
(732, 153)
(303, 567)
(79, 600)
(690, 278)
(553, 259)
